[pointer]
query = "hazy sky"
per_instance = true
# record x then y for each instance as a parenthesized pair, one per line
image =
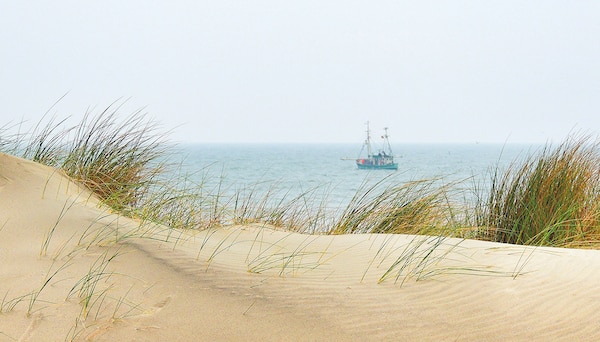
(311, 71)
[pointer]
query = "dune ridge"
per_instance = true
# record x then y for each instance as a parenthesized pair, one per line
(73, 270)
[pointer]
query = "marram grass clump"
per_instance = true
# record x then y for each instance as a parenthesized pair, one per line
(117, 157)
(551, 199)
(416, 207)
(118, 160)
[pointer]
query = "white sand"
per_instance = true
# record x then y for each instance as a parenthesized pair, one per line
(255, 284)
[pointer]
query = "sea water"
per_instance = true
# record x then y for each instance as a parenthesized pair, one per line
(328, 171)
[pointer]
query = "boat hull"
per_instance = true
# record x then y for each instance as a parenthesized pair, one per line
(365, 165)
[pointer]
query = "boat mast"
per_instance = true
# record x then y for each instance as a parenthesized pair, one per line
(387, 141)
(368, 141)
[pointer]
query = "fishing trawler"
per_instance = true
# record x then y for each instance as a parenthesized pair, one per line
(382, 160)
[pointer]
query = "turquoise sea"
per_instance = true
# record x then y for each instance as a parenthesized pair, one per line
(287, 170)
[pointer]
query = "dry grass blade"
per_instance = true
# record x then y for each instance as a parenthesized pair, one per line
(87, 287)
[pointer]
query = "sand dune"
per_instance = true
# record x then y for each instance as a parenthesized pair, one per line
(71, 269)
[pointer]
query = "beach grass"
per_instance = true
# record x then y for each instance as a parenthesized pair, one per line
(416, 207)
(552, 198)
(118, 159)
(87, 288)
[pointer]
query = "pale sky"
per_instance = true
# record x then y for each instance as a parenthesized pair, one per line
(311, 71)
